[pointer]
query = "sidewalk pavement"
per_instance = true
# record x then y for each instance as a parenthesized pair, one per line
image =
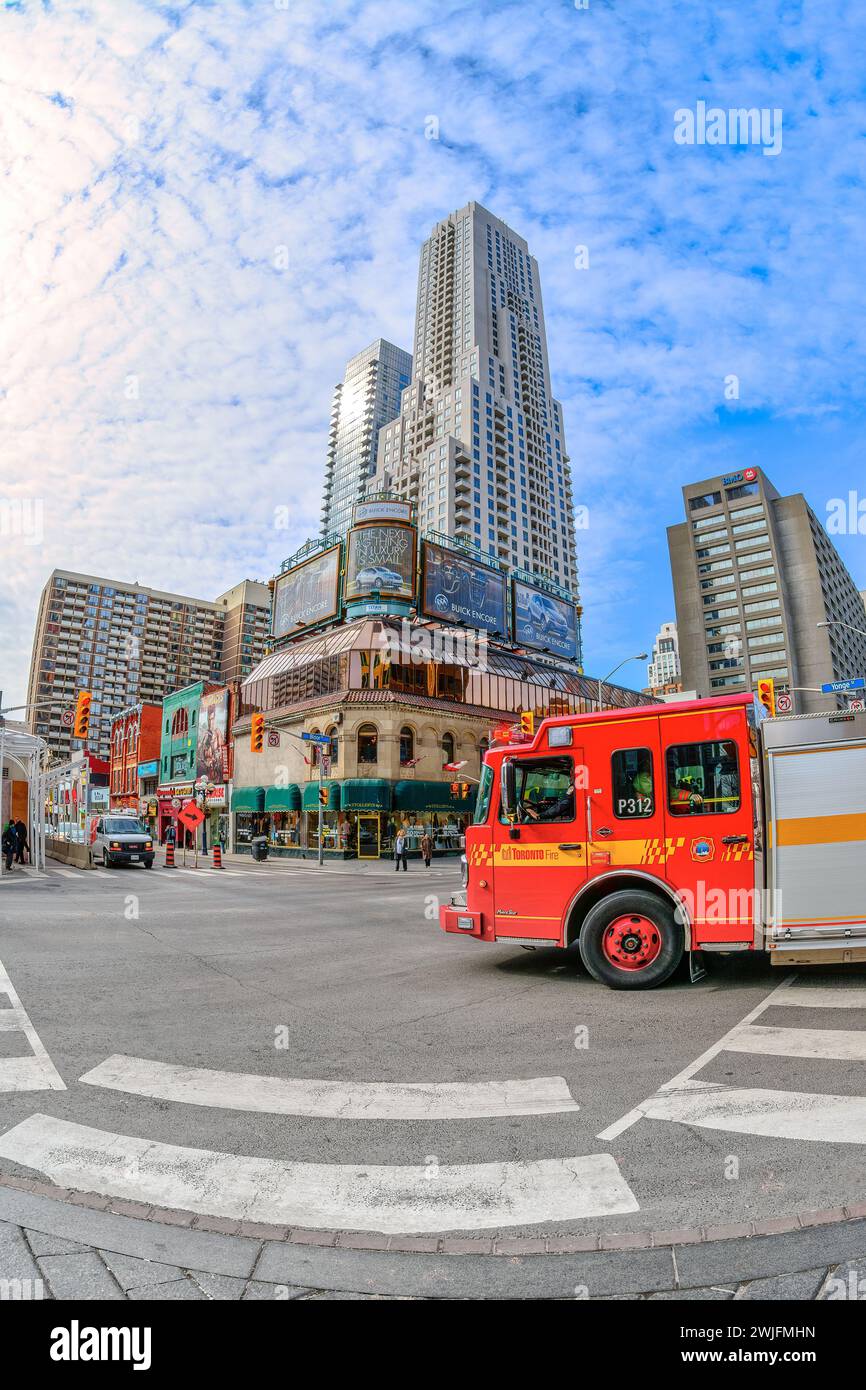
(57, 1248)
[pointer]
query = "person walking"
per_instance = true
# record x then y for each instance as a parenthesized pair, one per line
(21, 842)
(170, 834)
(401, 852)
(426, 848)
(9, 844)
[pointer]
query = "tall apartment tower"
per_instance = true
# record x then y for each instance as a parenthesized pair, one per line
(664, 669)
(247, 608)
(754, 574)
(128, 644)
(478, 445)
(368, 396)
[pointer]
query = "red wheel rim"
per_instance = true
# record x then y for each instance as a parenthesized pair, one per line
(631, 942)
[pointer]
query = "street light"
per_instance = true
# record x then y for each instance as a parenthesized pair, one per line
(836, 623)
(641, 656)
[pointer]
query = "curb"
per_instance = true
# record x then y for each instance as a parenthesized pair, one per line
(509, 1246)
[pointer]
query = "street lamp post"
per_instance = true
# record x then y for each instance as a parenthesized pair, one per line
(641, 656)
(835, 622)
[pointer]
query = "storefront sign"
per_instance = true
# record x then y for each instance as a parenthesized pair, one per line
(149, 769)
(215, 796)
(382, 511)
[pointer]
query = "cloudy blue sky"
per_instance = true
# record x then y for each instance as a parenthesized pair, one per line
(164, 387)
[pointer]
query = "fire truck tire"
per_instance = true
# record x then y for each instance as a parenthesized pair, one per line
(631, 940)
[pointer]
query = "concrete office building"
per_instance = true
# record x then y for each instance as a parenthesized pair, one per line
(479, 445)
(367, 398)
(129, 645)
(754, 573)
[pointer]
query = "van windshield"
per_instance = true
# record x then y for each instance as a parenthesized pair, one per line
(124, 825)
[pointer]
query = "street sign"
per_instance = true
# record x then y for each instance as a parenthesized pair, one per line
(326, 764)
(856, 704)
(834, 687)
(191, 815)
(67, 718)
(784, 702)
(176, 803)
(273, 738)
(315, 738)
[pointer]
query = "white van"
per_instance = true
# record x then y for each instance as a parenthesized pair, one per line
(119, 839)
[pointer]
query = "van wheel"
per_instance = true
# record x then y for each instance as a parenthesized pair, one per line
(631, 940)
(106, 862)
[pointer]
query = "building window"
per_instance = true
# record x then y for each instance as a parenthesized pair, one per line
(447, 748)
(632, 776)
(368, 744)
(334, 746)
(179, 723)
(407, 745)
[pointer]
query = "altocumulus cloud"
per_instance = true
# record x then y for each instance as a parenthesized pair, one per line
(208, 207)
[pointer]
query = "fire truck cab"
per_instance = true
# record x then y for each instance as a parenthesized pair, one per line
(636, 835)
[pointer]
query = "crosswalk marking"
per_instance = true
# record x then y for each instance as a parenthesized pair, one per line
(837, 1044)
(820, 996)
(29, 1073)
(361, 1197)
(773, 1114)
(352, 1100)
(614, 1130)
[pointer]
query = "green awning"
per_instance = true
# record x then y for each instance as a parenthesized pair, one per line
(283, 798)
(431, 796)
(366, 794)
(248, 799)
(310, 796)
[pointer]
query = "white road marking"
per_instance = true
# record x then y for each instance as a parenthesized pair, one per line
(838, 1044)
(632, 1117)
(824, 997)
(348, 1100)
(773, 1114)
(361, 1197)
(33, 1073)
(66, 873)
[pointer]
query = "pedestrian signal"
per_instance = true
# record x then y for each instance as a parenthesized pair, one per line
(527, 722)
(455, 788)
(323, 796)
(767, 694)
(464, 790)
(82, 714)
(257, 733)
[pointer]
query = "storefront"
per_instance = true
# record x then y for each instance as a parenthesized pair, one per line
(431, 806)
(333, 838)
(166, 795)
(283, 814)
(248, 815)
(366, 805)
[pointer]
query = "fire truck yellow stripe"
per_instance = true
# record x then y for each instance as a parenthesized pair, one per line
(820, 830)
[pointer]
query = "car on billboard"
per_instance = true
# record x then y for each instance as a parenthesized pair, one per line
(545, 621)
(546, 616)
(377, 577)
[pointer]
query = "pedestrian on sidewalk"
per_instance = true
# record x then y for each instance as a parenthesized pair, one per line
(9, 844)
(21, 842)
(401, 852)
(169, 834)
(426, 848)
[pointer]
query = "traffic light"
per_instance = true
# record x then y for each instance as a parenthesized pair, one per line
(82, 714)
(464, 790)
(455, 789)
(527, 722)
(767, 694)
(257, 733)
(323, 796)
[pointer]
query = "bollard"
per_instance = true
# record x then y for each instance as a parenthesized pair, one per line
(217, 857)
(169, 856)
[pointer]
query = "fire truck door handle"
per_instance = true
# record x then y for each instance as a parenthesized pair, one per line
(734, 839)
(589, 818)
(571, 846)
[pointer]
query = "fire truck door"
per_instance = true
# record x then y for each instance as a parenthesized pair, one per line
(625, 781)
(708, 812)
(540, 862)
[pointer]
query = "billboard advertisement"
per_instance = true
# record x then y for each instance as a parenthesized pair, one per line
(307, 594)
(381, 511)
(542, 620)
(213, 728)
(381, 561)
(459, 589)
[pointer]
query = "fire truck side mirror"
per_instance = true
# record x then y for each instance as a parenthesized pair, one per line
(507, 791)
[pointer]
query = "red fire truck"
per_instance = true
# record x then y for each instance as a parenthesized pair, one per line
(636, 835)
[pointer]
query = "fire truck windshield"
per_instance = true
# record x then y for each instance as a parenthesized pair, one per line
(485, 787)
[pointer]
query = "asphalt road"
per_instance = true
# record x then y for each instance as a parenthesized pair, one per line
(342, 976)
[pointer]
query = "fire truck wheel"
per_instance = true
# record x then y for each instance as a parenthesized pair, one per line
(631, 940)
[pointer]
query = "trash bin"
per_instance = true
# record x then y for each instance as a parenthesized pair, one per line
(259, 847)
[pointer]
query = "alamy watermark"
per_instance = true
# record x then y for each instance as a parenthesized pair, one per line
(739, 125)
(22, 516)
(414, 645)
